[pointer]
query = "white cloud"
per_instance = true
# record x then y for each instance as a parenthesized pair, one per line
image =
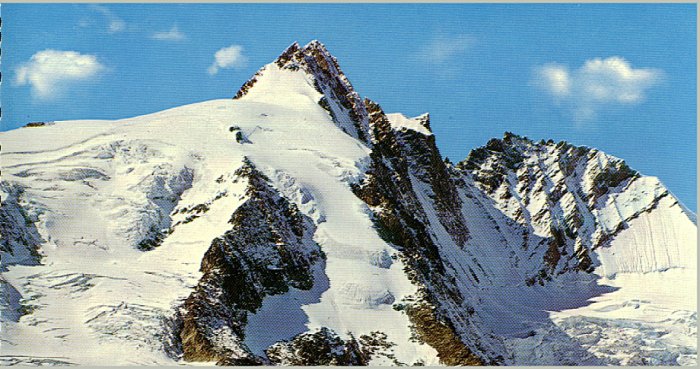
(115, 24)
(174, 34)
(599, 82)
(48, 72)
(444, 48)
(228, 57)
(556, 79)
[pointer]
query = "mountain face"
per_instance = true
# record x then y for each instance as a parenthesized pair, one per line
(300, 224)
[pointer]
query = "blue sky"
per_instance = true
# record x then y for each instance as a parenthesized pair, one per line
(618, 77)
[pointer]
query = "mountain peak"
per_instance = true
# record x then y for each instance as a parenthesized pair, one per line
(294, 56)
(314, 57)
(317, 45)
(343, 104)
(295, 51)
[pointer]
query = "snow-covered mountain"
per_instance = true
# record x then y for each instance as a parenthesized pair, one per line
(299, 224)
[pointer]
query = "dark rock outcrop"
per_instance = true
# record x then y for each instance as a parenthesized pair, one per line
(556, 188)
(19, 238)
(428, 166)
(401, 219)
(267, 250)
(323, 347)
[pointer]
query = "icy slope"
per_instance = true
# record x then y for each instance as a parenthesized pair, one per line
(653, 242)
(651, 318)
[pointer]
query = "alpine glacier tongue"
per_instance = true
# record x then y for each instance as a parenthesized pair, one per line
(299, 224)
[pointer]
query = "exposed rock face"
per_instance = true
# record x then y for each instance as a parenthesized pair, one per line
(401, 160)
(323, 347)
(563, 192)
(247, 85)
(428, 167)
(19, 244)
(268, 250)
(440, 335)
(19, 238)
